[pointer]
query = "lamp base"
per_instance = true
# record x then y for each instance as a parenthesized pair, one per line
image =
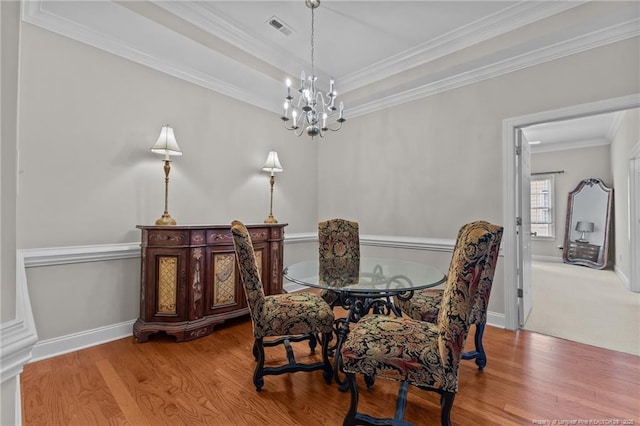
(270, 219)
(166, 220)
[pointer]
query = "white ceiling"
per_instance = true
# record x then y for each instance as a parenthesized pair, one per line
(382, 53)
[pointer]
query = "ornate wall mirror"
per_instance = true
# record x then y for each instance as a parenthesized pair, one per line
(586, 235)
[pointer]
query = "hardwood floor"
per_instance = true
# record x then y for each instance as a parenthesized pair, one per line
(530, 379)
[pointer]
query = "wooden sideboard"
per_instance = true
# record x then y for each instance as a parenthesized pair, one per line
(583, 251)
(189, 279)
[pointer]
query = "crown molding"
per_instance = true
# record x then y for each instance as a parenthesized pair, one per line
(252, 87)
(565, 145)
(615, 125)
(502, 22)
(56, 17)
(579, 44)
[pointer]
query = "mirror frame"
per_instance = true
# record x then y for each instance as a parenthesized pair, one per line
(603, 255)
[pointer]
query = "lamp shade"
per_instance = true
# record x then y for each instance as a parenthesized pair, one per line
(166, 143)
(272, 165)
(584, 226)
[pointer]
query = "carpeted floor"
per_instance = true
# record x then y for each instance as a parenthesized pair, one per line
(584, 305)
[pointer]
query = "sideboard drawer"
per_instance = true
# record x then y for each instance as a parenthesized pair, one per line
(164, 238)
(585, 251)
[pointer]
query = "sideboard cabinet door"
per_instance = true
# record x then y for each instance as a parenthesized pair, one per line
(189, 277)
(166, 271)
(223, 291)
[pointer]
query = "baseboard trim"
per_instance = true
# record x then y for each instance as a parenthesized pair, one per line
(623, 277)
(496, 319)
(556, 259)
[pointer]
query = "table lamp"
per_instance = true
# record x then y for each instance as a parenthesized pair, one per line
(167, 145)
(272, 165)
(584, 227)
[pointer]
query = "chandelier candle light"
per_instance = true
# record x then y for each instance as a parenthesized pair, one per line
(167, 145)
(311, 110)
(272, 165)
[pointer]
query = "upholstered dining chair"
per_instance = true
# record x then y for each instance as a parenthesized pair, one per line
(425, 304)
(339, 254)
(420, 353)
(281, 318)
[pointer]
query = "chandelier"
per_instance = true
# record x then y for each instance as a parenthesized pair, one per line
(311, 110)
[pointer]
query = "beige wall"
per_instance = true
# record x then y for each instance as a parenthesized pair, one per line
(577, 164)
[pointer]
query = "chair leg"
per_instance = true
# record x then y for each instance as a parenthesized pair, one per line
(350, 417)
(327, 367)
(481, 361)
(254, 350)
(446, 403)
(479, 354)
(258, 374)
(401, 403)
(313, 342)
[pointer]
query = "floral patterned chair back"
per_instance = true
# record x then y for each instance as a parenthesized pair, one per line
(425, 305)
(339, 250)
(249, 274)
(481, 302)
(468, 264)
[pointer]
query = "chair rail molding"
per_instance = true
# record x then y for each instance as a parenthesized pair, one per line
(79, 254)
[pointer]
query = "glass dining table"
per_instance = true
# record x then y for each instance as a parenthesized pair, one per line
(367, 285)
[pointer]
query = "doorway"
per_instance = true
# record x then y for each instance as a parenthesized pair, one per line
(513, 261)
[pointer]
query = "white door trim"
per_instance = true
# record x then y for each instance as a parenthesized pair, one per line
(509, 127)
(634, 217)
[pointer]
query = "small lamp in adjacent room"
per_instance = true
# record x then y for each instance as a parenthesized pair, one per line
(166, 145)
(584, 227)
(272, 165)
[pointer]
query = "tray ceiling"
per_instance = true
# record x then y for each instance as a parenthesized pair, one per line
(382, 53)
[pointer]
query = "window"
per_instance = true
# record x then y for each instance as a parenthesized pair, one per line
(542, 203)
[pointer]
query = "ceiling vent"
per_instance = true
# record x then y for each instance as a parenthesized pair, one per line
(279, 25)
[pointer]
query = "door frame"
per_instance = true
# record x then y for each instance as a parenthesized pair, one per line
(634, 217)
(509, 238)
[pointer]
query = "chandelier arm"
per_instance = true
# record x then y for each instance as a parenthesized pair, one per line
(325, 106)
(287, 127)
(300, 100)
